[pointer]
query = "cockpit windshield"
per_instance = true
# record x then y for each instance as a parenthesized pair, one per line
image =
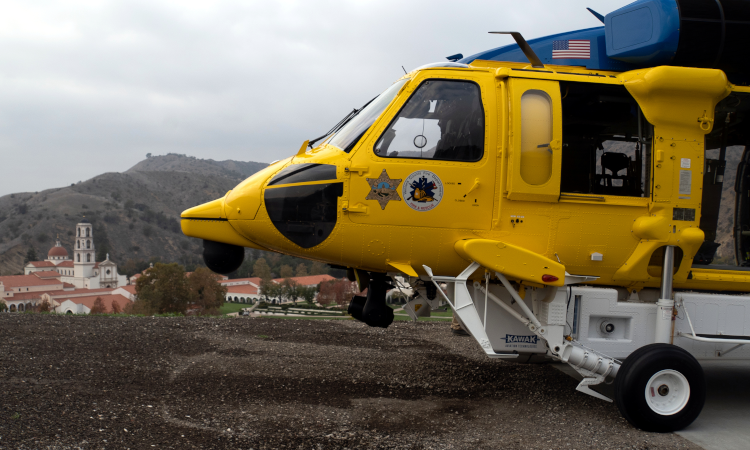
(348, 136)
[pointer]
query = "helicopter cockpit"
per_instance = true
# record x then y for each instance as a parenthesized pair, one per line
(443, 120)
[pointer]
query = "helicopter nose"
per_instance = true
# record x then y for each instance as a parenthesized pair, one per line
(211, 221)
(208, 222)
(210, 210)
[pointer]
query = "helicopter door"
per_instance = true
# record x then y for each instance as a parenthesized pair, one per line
(427, 160)
(535, 155)
(742, 211)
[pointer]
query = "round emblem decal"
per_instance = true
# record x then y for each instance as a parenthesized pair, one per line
(422, 190)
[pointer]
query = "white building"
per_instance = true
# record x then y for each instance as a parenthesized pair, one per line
(82, 271)
(242, 290)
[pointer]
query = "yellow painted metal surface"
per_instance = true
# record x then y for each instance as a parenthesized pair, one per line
(495, 211)
(511, 260)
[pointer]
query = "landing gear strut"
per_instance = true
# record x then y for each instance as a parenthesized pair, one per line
(373, 311)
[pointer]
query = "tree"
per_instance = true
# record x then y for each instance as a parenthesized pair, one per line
(307, 293)
(336, 291)
(98, 307)
(301, 270)
(148, 155)
(286, 271)
(44, 306)
(102, 252)
(289, 290)
(246, 269)
(162, 289)
(318, 268)
(261, 269)
(116, 308)
(269, 290)
(30, 256)
(205, 290)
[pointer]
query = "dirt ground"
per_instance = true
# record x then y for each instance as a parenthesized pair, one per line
(120, 382)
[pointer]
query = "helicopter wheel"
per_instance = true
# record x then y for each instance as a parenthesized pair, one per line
(661, 388)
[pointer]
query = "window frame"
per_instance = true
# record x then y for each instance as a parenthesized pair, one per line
(401, 108)
(517, 188)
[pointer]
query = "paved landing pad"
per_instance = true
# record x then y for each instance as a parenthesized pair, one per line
(725, 421)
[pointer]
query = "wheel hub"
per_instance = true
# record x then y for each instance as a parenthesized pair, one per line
(667, 392)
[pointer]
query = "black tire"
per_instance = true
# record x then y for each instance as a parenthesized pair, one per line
(635, 374)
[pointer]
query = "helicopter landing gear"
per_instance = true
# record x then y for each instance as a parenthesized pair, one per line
(661, 388)
(222, 258)
(373, 311)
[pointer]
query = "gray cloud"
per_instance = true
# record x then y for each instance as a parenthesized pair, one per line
(90, 87)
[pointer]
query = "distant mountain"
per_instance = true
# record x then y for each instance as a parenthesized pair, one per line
(135, 213)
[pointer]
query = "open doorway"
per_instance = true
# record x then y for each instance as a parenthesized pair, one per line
(725, 205)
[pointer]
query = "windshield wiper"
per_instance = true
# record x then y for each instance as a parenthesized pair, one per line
(341, 124)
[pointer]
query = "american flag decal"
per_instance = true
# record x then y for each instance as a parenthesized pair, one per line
(572, 49)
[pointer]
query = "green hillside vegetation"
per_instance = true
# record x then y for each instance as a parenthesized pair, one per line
(135, 216)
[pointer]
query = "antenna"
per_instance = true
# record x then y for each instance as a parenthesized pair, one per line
(597, 15)
(525, 48)
(404, 70)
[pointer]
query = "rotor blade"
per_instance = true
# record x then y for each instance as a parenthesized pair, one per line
(597, 15)
(525, 47)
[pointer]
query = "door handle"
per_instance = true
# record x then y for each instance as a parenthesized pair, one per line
(360, 170)
(359, 208)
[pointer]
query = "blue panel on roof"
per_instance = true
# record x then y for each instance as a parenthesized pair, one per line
(552, 50)
(632, 28)
(645, 32)
(648, 33)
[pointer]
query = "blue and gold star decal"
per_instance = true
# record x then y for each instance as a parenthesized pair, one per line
(383, 189)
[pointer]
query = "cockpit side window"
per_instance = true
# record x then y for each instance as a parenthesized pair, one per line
(443, 120)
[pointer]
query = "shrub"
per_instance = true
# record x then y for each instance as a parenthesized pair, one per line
(98, 307)
(44, 306)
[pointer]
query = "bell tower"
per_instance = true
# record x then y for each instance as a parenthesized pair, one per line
(83, 250)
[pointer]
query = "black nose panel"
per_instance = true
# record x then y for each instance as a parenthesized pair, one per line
(299, 173)
(306, 215)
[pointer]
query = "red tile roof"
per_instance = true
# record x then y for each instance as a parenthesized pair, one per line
(59, 293)
(68, 285)
(67, 263)
(254, 280)
(242, 289)
(130, 288)
(47, 274)
(41, 263)
(57, 251)
(16, 281)
(308, 280)
(88, 301)
(25, 296)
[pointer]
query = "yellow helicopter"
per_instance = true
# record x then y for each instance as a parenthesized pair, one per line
(566, 205)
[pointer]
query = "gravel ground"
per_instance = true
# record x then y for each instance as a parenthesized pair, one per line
(129, 382)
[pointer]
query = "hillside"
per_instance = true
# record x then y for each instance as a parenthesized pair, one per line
(135, 213)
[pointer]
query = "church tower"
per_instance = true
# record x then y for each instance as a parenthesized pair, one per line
(83, 250)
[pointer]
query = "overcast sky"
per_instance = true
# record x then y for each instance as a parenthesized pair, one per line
(88, 87)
